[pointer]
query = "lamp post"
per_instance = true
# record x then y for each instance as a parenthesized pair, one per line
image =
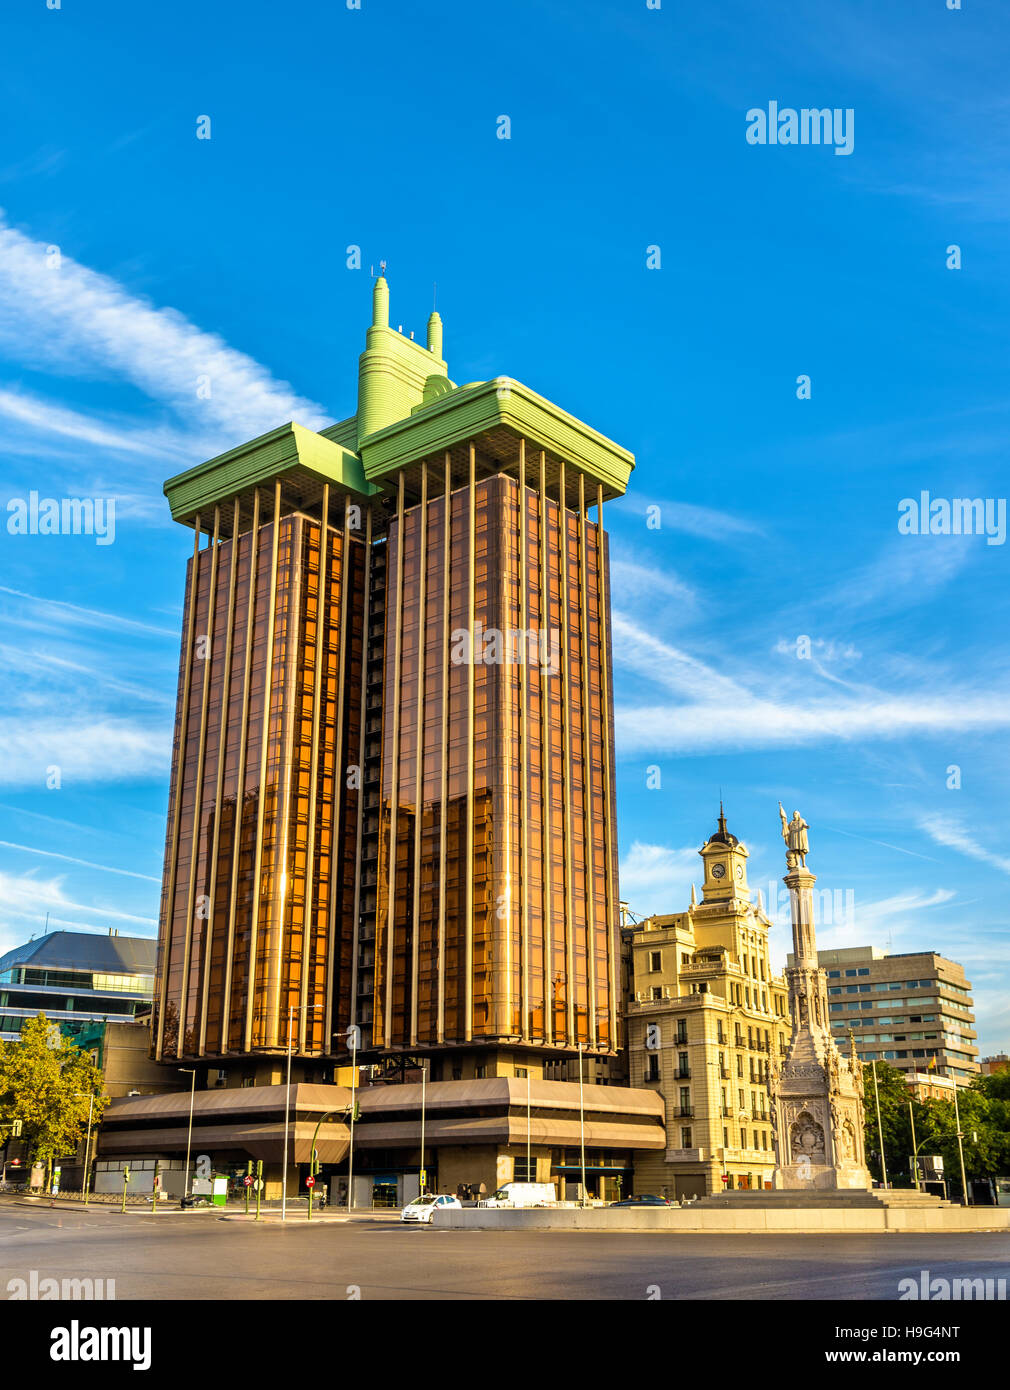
(960, 1144)
(87, 1145)
(528, 1139)
(355, 1033)
(915, 1148)
(880, 1127)
(287, 1104)
(582, 1129)
(189, 1071)
(424, 1093)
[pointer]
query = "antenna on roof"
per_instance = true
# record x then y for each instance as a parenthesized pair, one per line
(382, 267)
(47, 925)
(434, 295)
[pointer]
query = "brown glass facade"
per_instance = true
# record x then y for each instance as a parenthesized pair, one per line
(497, 878)
(258, 894)
(392, 790)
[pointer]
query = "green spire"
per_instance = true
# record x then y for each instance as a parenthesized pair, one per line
(380, 303)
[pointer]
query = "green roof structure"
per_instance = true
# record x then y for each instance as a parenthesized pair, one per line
(408, 411)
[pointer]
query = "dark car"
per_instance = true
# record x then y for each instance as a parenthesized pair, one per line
(648, 1199)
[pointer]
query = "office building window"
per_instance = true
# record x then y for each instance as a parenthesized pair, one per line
(655, 960)
(652, 1067)
(685, 1139)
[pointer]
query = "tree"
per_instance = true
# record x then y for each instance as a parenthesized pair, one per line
(984, 1107)
(47, 1083)
(894, 1096)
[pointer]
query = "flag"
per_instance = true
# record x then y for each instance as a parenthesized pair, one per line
(932, 1065)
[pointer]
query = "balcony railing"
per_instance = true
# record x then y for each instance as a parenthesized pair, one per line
(685, 1112)
(683, 1073)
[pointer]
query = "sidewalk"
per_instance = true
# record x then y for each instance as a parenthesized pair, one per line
(234, 1211)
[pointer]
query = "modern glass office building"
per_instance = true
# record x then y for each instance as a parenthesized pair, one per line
(75, 979)
(392, 798)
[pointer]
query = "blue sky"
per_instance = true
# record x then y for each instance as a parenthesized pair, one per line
(377, 128)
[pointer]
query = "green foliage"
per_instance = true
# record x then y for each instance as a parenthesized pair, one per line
(46, 1082)
(984, 1107)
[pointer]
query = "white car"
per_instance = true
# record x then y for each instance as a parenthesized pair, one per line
(424, 1208)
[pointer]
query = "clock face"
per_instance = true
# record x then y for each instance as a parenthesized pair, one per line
(718, 870)
(739, 871)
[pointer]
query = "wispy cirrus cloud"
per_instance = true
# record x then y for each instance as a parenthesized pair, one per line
(98, 749)
(708, 523)
(26, 900)
(716, 712)
(952, 834)
(658, 878)
(60, 316)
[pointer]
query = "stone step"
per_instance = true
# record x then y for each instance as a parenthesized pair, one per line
(804, 1199)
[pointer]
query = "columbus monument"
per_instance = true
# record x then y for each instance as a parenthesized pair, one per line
(816, 1094)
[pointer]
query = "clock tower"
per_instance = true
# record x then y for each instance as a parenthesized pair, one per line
(725, 859)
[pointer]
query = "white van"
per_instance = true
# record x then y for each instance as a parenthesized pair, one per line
(522, 1194)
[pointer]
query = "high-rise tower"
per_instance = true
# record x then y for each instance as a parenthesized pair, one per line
(392, 798)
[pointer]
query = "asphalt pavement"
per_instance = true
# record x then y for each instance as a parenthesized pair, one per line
(199, 1256)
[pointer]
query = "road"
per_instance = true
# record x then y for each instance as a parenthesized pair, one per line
(200, 1256)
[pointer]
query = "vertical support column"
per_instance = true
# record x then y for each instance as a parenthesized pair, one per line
(395, 769)
(419, 749)
(566, 725)
(365, 638)
(308, 926)
(264, 752)
(254, 545)
(339, 787)
(524, 755)
(444, 792)
(613, 929)
(545, 762)
(545, 757)
(279, 974)
(180, 763)
(472, 549)
(222, 738)
(198, 788)
(587, 768)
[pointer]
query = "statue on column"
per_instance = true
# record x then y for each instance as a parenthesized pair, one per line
(794, 832)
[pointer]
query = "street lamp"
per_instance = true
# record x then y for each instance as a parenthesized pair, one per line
(960, 1144)
(87, 1146)
(582, 1128)
(188, 1071)
(424, 1082)
(355, 1033)
(287, 1103)
(880, 1127)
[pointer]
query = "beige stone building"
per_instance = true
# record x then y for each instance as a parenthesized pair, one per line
(906, 1010)
(704, 1016)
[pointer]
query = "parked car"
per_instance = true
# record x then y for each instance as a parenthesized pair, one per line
(646, 1199)
(522, 1194)
(424, 1208)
